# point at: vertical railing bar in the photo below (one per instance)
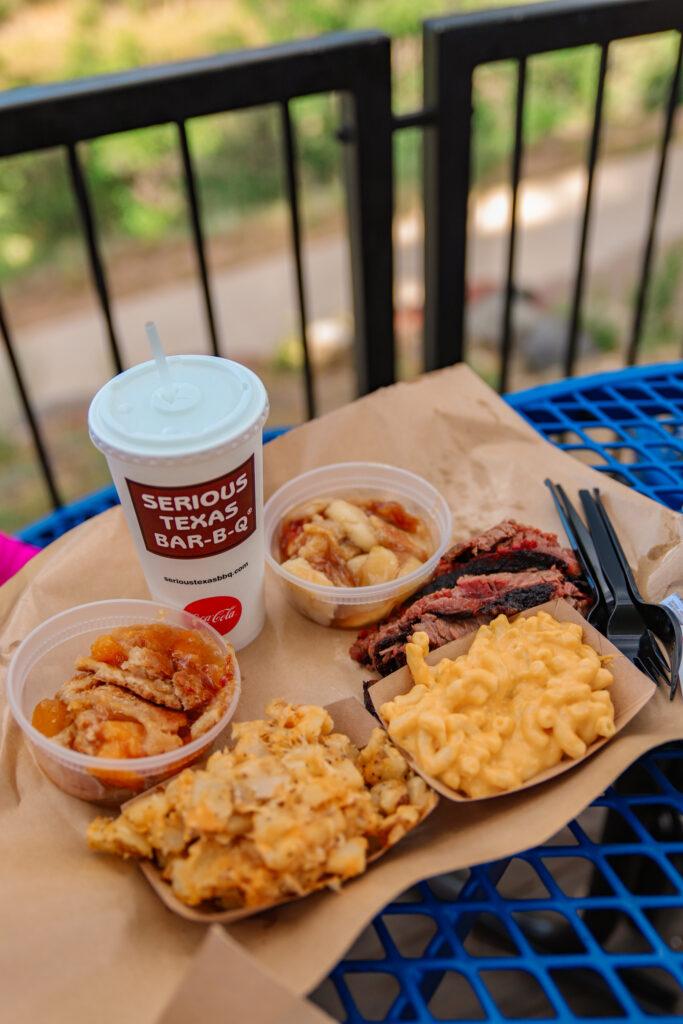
(446, 184)
(506, 348)
(30, 415)
(459, 352)
(367, 164)
(641, 298)
(293, 197)
(572, 340)
(81, 193)
(197, 233)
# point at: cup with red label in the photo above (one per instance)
(183, 438)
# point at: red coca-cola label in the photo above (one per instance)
(197, 520)
(223, 613)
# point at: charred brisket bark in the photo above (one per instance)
(509, 560)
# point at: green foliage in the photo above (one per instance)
(136, 186)
(88, 14)
(36, 210)
(7, 8)
(658, 88)
(141, 6)
(651, 73)
(560, 90)
(238, 162)
(602, 328)
(494, 93)
(662, 326)
(135, 183)
(313, 19)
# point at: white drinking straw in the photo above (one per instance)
(167, 389)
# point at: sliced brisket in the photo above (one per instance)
(510, 536)
(500, 583)
(492, 562)
(505, 570)
(441, 630)
(487, 541)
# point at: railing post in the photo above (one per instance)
(369, 182)
(446, 185)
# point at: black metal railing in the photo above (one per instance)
(354, 65)
(453, 48)
(357, 67)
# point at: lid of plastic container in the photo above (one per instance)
(202, 403)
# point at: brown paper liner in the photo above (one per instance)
(630, 691)
(224, 982)
(78, 924)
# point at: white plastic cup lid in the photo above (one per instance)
(211, 402)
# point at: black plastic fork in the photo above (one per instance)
(661, 621)
(641, 646)
(649, 660)
(632, 621)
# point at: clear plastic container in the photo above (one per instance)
(354, 607)
(45, 660)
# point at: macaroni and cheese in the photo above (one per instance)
(525, 695)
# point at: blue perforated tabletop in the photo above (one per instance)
(628, 424)
(588, 927)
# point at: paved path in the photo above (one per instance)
(66, 360)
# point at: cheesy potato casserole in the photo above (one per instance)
(525, 695)
(291, 808)
(352, 542)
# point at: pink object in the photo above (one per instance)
(13, 554)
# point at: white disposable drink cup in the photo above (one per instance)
(185, 454)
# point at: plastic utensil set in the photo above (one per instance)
(648, 634)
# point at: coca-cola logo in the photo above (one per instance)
(223, 613)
